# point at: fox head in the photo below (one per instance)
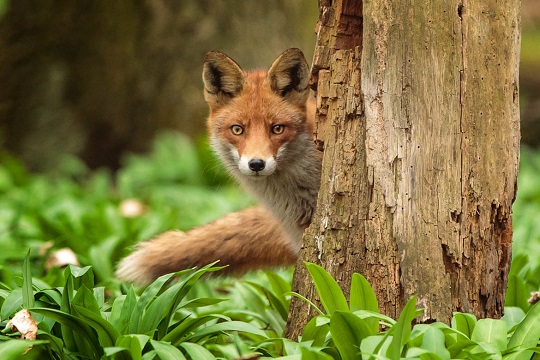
(256, 117)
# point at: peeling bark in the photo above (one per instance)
(419, 122)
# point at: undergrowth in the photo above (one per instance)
(83, 312)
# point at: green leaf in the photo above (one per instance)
(464, 323)
(107, 334)
(197, 352)
(166, 351)
(315, 333)
(80, 276)
(314, 354)
(348, 331)
(87, 334)
(362, 297)
(85, 298)
(329, 291)
(186, 326)
(146, 297)
(14, 349)
(513, 315)
(27, 291)
(433, 341)
(12, 303)
(122, 312)
(528, 332)
(366, 314)
(274, 301)
(376, 346)
(402, 329)
(227, 326)
(517, 292)
(134, 344)
(490, 331)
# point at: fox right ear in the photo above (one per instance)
(289, 76)
(223, 79)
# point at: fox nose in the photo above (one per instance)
(256, 164)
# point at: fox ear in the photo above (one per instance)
(223, 79)
(289, 76)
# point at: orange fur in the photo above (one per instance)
(260, 129)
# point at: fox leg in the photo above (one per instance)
(245, 240)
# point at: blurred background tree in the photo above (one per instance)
(530, 73)
(99, 78)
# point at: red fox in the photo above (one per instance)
(261, 129)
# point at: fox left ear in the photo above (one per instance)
(289, 76)
(223, 79)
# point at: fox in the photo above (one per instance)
(260, 125)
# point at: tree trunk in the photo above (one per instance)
(420, 127)
(98, 78)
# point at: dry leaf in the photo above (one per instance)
(131, 208)
(61, 258)
(535, 297)
(24, 323)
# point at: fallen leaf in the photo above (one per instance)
(24, 323)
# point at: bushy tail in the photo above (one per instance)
(244, 240)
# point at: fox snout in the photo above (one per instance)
(255, 166)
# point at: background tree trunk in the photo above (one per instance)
(417, 188)
(99, 78)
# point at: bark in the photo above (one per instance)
(417, 188)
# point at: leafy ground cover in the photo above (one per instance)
(83, 312)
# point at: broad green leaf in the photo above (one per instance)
(462, 345)
(314, 354)
(201, 302)
(27, 291)
(366, 314)
(227, 326)
(86, 333)
(402, 329)
(187, 326)
(376, 346)
(12, 303)
(158, 309)
(362, 297)
(329, 291)
(121, 318)
(107, 334)
(464, 323)
(433, 341)
(315, 333)
(134, 344)
(14, 349)
(166, 351)
(513, 315)
(528, 332)
(490, 331)
(423, 354)
(197, 352)
(517, 292)
(280, 286)
(274, 301)
(80, 276)
(173, 296)
(85, 298)
(146, 297)
(348, 331)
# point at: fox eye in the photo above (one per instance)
(237, 130)
(278, 129)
